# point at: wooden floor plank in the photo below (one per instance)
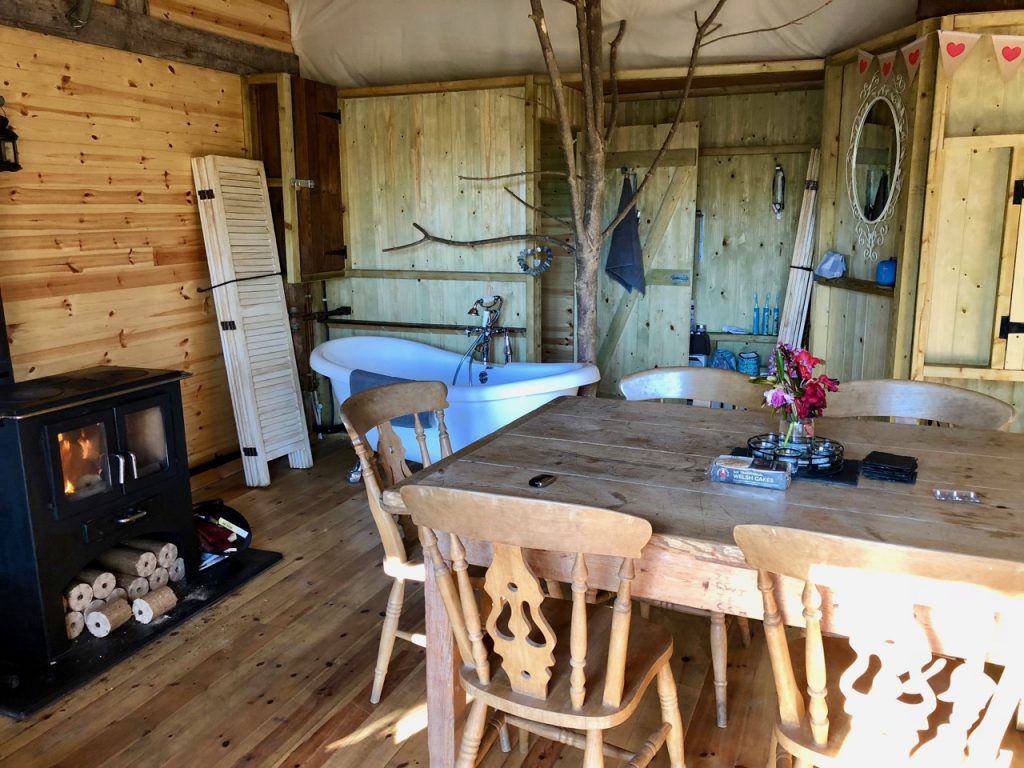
(279, 673)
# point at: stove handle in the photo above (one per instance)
(131, 517)
(133, 462)
(120, 467)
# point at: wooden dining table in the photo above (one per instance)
(651, 459)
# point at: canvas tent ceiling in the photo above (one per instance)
(355, 42)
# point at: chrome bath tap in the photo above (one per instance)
(488, 308)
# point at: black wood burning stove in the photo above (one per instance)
(90, 458)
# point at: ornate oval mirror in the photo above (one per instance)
(876, 149)
(874, 164)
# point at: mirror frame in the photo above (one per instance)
(871, 235)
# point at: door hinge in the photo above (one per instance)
(1006, 327)
(303, 183)
(1018, 191)
(206, 194)
(228, 325)
(248, 451)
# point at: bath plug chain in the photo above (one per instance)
(535, 261)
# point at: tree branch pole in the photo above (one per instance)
(702, 29)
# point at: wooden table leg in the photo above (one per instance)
(445, 698)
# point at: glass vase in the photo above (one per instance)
(796, 432)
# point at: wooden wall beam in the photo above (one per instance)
(128, 29)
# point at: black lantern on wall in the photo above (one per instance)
(8, 144)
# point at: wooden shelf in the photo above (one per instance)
(855, 284)
(750, 338)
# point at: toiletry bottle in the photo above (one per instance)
(766, 317)
(755, 326)
(693, 318)
(775, 317)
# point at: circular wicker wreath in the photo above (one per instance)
(535, 261)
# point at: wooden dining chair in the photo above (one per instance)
(375, 409)
(564, 670)
(701, 387)
(919, 401)
(884, 696)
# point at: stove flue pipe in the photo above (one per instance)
(79, 14)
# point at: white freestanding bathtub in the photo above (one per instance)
(475, 409)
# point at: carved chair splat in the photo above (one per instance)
(885, 696)
(564, 670)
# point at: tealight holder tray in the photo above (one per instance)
(805, 457)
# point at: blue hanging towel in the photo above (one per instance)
(625, 262)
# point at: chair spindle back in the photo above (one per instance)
(375, 409)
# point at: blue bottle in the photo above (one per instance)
(885, 272)
(775, 317)
(755, 326)
(766, 317)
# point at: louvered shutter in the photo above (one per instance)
(255, 333)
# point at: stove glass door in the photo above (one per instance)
(145, 441)
(84, 461)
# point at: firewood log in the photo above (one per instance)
(158, 579)
(177, 571)
(102, 582)
(165, 551)
(123, 560)
(79, 595)
(75, 623)
(104, 621)
(95, 605)
(156, 603)
(135, 586)
(118, 594)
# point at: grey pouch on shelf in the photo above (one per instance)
(833, 265)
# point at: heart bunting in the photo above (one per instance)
(863, 62)
(1009, 54)
(886, 64)
(912, 53)
(954, 47)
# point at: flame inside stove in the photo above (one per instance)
(80, 460)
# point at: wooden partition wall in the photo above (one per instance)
(402, 158)
(863, 331)
(404, 147)
(102, 253)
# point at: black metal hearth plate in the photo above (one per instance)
(90, 656)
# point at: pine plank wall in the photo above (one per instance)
(102, 250)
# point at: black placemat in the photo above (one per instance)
(25, 692)
(845, 476)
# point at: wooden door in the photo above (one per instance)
(977, 280)
(639, 332)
